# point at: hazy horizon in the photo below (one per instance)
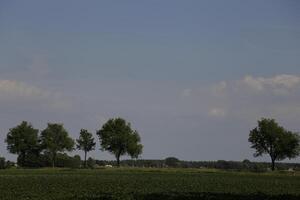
(192, 77)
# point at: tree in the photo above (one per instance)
(2, 163)
(65, 161)
(172, 162)
(56, 139)
(270, 138)
(117, 137)
(85, 143)
(23, 141)
(91, 163)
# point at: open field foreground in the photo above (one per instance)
(128, 184)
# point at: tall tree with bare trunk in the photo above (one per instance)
(270, 138)
(85, 143)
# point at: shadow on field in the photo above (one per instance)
(190, 196)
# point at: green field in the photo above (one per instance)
(46, 184)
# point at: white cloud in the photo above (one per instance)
(217, 112)
(20, 89)
(18, 93)
(288, 81)
(277, 83)
(252, 97)
(256, 84)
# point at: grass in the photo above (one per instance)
(126, 183)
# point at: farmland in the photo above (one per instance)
(128, 184)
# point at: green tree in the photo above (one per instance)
(91, 163)
(172, 162)
(2, 163)
(270, 138)
(56, 139)
(65, 161)
(117, 137)
(23, 141)
(85, 143)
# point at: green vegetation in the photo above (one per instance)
(55, 139)
(117, 137)
(2, 163)
(85, 143)
(23, 141)
(154, 184)
(163, 179)
(34, 150)
(270, 138)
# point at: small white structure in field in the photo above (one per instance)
(290, 170)
(108, 166)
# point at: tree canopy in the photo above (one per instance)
(56, 139)
(2, 163)
(23, 141)
(86, 143)
(270, 138)
(172, 161)
(117, 137)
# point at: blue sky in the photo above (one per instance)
(189, 75)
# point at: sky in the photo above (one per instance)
(192, 77)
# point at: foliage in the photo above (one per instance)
(6, 164)
(245, 165)
(85, 143)
(23, 141)
(56, 139)
(91, 163)
(146, 184)
(270, 138)
(2, 163)
(172, 162)
(117, 137)
(63, 160)
(30, 160)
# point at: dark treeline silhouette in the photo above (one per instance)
(244, 165)
(65, 161)
(45, 160)
(47, 148)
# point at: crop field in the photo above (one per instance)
(64, 184)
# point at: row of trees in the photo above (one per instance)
(115, 136)
(63, 160)
(44, 160)
(173, 162)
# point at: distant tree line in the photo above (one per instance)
(244, 165)
(47, 147)
(63, 160)
(44, 160)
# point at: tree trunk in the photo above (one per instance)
(273, 164)
(118, 160)
(53, 160)
(21, 159)
(84, 159)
